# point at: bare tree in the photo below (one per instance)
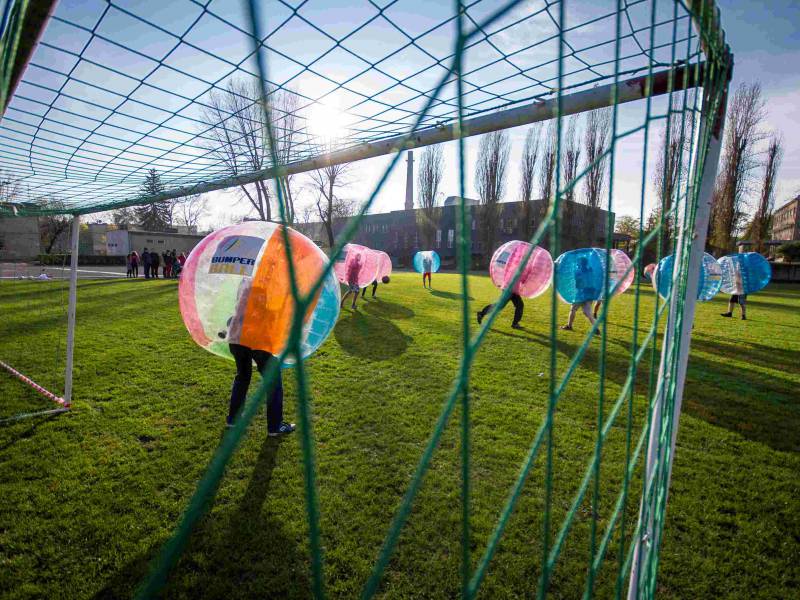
(570, 157)
(527, 166)
(490, 179)
(595, 143)
(10, 187)
(238, 137)
(189, 210)
(763, 216)
(429, 176)
(51, 229)
(284, 106)
(738, 162)
(330, 205)
(672, 167)
(548, 168)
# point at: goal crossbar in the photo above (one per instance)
(629, 90)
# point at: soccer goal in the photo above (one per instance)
(228, 93)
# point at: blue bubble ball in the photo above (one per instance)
(744, 273)
(580, 275)
(420, 259)
(707, 287)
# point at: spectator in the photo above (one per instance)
(147, 262)
(129, 265)
(155, 261)
(167, 265)
(135, 264)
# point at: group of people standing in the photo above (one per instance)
(171, 264)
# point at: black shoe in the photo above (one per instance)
(516, 326)
(744, 318)
(725, 314)
(480, 317)
(282, 430)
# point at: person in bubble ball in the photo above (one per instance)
(244, 357)
(585, 286)
(427, 267)
(384, 281)
(353, 271)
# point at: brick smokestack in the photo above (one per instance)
(410, 181)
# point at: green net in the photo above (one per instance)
(123, 88)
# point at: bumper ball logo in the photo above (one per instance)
(236, 255)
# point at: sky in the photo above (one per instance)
(765, 40)
(117, 88)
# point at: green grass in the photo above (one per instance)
(89, 497)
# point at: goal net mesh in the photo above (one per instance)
(116, 89)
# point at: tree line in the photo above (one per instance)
(743, 199)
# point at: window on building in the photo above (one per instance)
(438, 238)
(451, 234)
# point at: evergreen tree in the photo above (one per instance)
(154, 216)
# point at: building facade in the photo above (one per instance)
(120, 242)
(19, 238)
(786, 221)
(399, 234)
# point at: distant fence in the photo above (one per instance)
(786, 272)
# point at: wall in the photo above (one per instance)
(397, 233)
(161, 242)
(19, 238)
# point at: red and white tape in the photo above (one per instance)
(34, 385)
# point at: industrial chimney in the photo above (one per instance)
(410, 181)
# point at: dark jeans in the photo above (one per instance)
(519, 307)
(146, 271)
(244, 358)
(374, 287)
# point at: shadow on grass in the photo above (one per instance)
(387, 310)
(246, 555)
(449, 295)
(369, 336)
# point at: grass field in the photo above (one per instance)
(89, 497)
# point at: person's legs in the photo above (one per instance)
(587, 310)
(519, 307)
(135, 271)
(355, 299)
(274, 392)
(573, 310)
(484, 311)
(244, 372)
(734, 299)
(146, 271)
(374, 288)
(363, 292)
(597, 306)
(346, 294)
(743, 306)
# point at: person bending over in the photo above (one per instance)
(741, 300)
(519, 307)
(353, 271)
(384, 280)
(585, 288)
(244, 357)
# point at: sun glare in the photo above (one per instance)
(326, 122)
